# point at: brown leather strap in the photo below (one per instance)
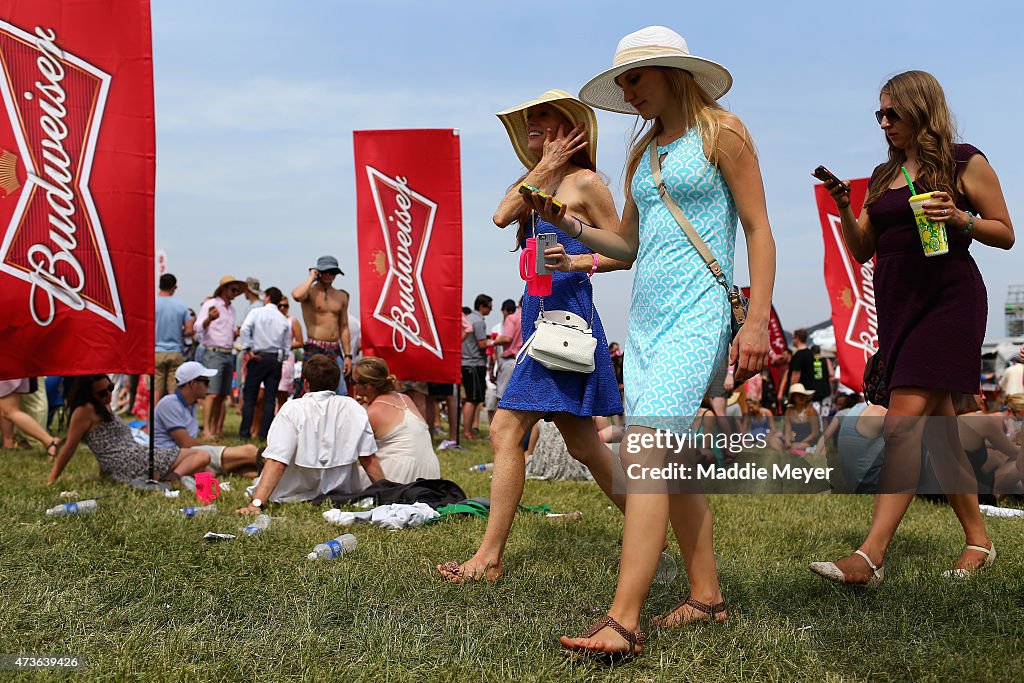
(710, 610)
(682, 220)
(634, 638)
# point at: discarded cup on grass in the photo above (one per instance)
(83, 507)
(330, 550)
(207, 487)
(668, 569)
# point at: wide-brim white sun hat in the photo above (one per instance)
(577, 112)
(653, 46)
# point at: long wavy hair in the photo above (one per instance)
(919, 100)
(81, 394)
(699, 110)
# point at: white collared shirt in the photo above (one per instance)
(320, 437)
(266, 329)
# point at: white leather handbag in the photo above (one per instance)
(561, 341)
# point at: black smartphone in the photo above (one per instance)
(823, 174)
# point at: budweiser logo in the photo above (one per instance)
(406, 220)
(53, 239)
(862, 329)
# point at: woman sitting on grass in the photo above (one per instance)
(110, 439)
(404, 448)
(802, 428)
(758, 421)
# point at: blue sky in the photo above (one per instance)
(256, 103)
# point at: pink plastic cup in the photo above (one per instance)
(536, 285)
(207, 487)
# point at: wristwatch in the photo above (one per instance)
(348, 355)
(257, 503)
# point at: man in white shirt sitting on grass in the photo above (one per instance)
(319, 444)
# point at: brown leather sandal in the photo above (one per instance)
(712, 612)
(636, 640)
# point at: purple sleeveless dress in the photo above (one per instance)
(931, 311)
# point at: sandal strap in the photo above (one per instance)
(864, 555)
(452, 567)
(980, 549)
(634, 638)
(710, 610)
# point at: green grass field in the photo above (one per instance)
(137, 593)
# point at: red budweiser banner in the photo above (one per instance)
(851, 289)
(409, 198)
(77, 175)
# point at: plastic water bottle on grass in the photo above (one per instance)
(258, 525)
(82, 507)
(345, 543)
(482, 467)
(197, 511)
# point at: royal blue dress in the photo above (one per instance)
(535, 388)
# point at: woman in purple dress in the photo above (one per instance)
(931, 310)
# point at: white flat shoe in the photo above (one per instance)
(829, 570)
(966, 573)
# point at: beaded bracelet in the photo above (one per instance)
(970, 224)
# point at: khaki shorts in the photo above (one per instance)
(216, 453)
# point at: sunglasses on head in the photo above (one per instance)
(888, 113)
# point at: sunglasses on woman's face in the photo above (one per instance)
(103, 393)
(887, 113)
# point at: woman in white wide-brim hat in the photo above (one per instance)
(679, 319)
(555, 137)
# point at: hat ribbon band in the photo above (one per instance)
(632, 54)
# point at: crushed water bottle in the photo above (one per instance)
(668, 569)
(258, 525)
(482, 467)
(196, 511)
(82, 507)
(345, 543)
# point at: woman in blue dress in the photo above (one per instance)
(555, 136)
(679, 314)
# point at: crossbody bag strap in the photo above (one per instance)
(683, 221)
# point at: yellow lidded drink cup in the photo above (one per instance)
(933, 236)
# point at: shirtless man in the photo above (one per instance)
(325, 312)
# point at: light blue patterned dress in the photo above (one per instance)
(679, 315)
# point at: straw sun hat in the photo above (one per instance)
(653, 46)
(578, 113)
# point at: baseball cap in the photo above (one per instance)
(325, 264)
(191, 370)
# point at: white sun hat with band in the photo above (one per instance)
(653, 46)
(577, 112)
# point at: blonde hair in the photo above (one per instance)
(1016, 402)
(920, 101)
(374, 371)
(699, 109)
